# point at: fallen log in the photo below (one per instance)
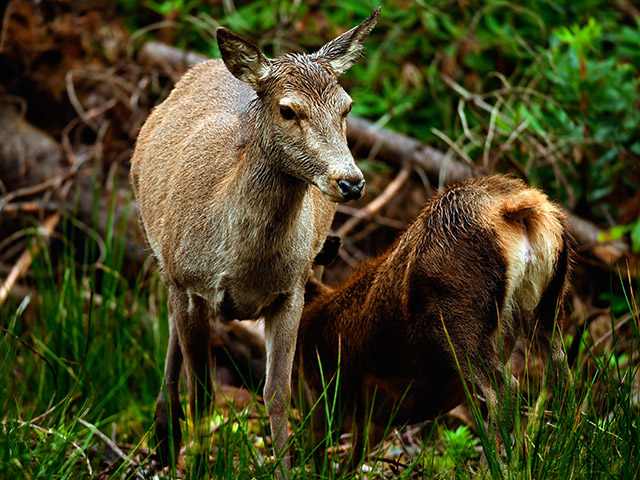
(396, 149)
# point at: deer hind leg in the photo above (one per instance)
(550, 347)
(168, 416)
(497, 386)
(191, 319)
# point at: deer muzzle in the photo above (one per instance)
(351, 190)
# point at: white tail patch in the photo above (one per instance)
(531, 237)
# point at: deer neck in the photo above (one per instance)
(267, 197)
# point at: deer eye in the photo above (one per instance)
(287, 113)
(347, 110)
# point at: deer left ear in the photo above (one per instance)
(342, 52)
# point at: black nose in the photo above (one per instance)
(349, 190)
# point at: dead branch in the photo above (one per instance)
(112, 445)
(379, 219)
(173, 60)
(24, 262)
(376, 204)
(395, 149)
(34, 189)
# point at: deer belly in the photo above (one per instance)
(245, 306)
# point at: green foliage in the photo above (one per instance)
(548, 89)
(620, 231)
(73, 363)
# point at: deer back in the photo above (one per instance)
(485, 260)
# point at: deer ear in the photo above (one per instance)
(342, 52)
(242, 58)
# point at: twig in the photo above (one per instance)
(26, 207)
(112, 445)
(57, 434)
(623, 321)
(452, 145)
(54, 182)
(380, 219)
(24, 262)
(347, 257)
(89, 114)
(380, 201)
(490, 134)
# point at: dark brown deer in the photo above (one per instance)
(236, 174)
(488, 260)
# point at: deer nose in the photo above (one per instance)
(351, 191)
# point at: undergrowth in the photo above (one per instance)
(82, 363)
(549, 90)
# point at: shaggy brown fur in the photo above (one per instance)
(488, 259)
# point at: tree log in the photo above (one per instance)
(395, 149)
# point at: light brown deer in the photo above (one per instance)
(488, 260)
(236, 174)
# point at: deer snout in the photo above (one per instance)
(350, 189)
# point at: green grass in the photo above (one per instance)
(85, 351)
(547, 89)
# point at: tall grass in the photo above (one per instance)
(79, 351)
(82, 359)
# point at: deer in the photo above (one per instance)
(484, 267)
(236, 175)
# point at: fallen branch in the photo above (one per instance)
(396, 149)
(377, 203)
(112, 445)
(171, 59)
(33, 189)
(24, 262)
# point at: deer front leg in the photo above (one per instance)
(172, 413)
(191, 319)
(281, 328)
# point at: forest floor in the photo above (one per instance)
(83, 311)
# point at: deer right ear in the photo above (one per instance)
(242, 58)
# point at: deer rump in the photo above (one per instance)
(488, 260)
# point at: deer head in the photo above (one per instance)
(301, 109)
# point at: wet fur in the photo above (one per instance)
(236, 201)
